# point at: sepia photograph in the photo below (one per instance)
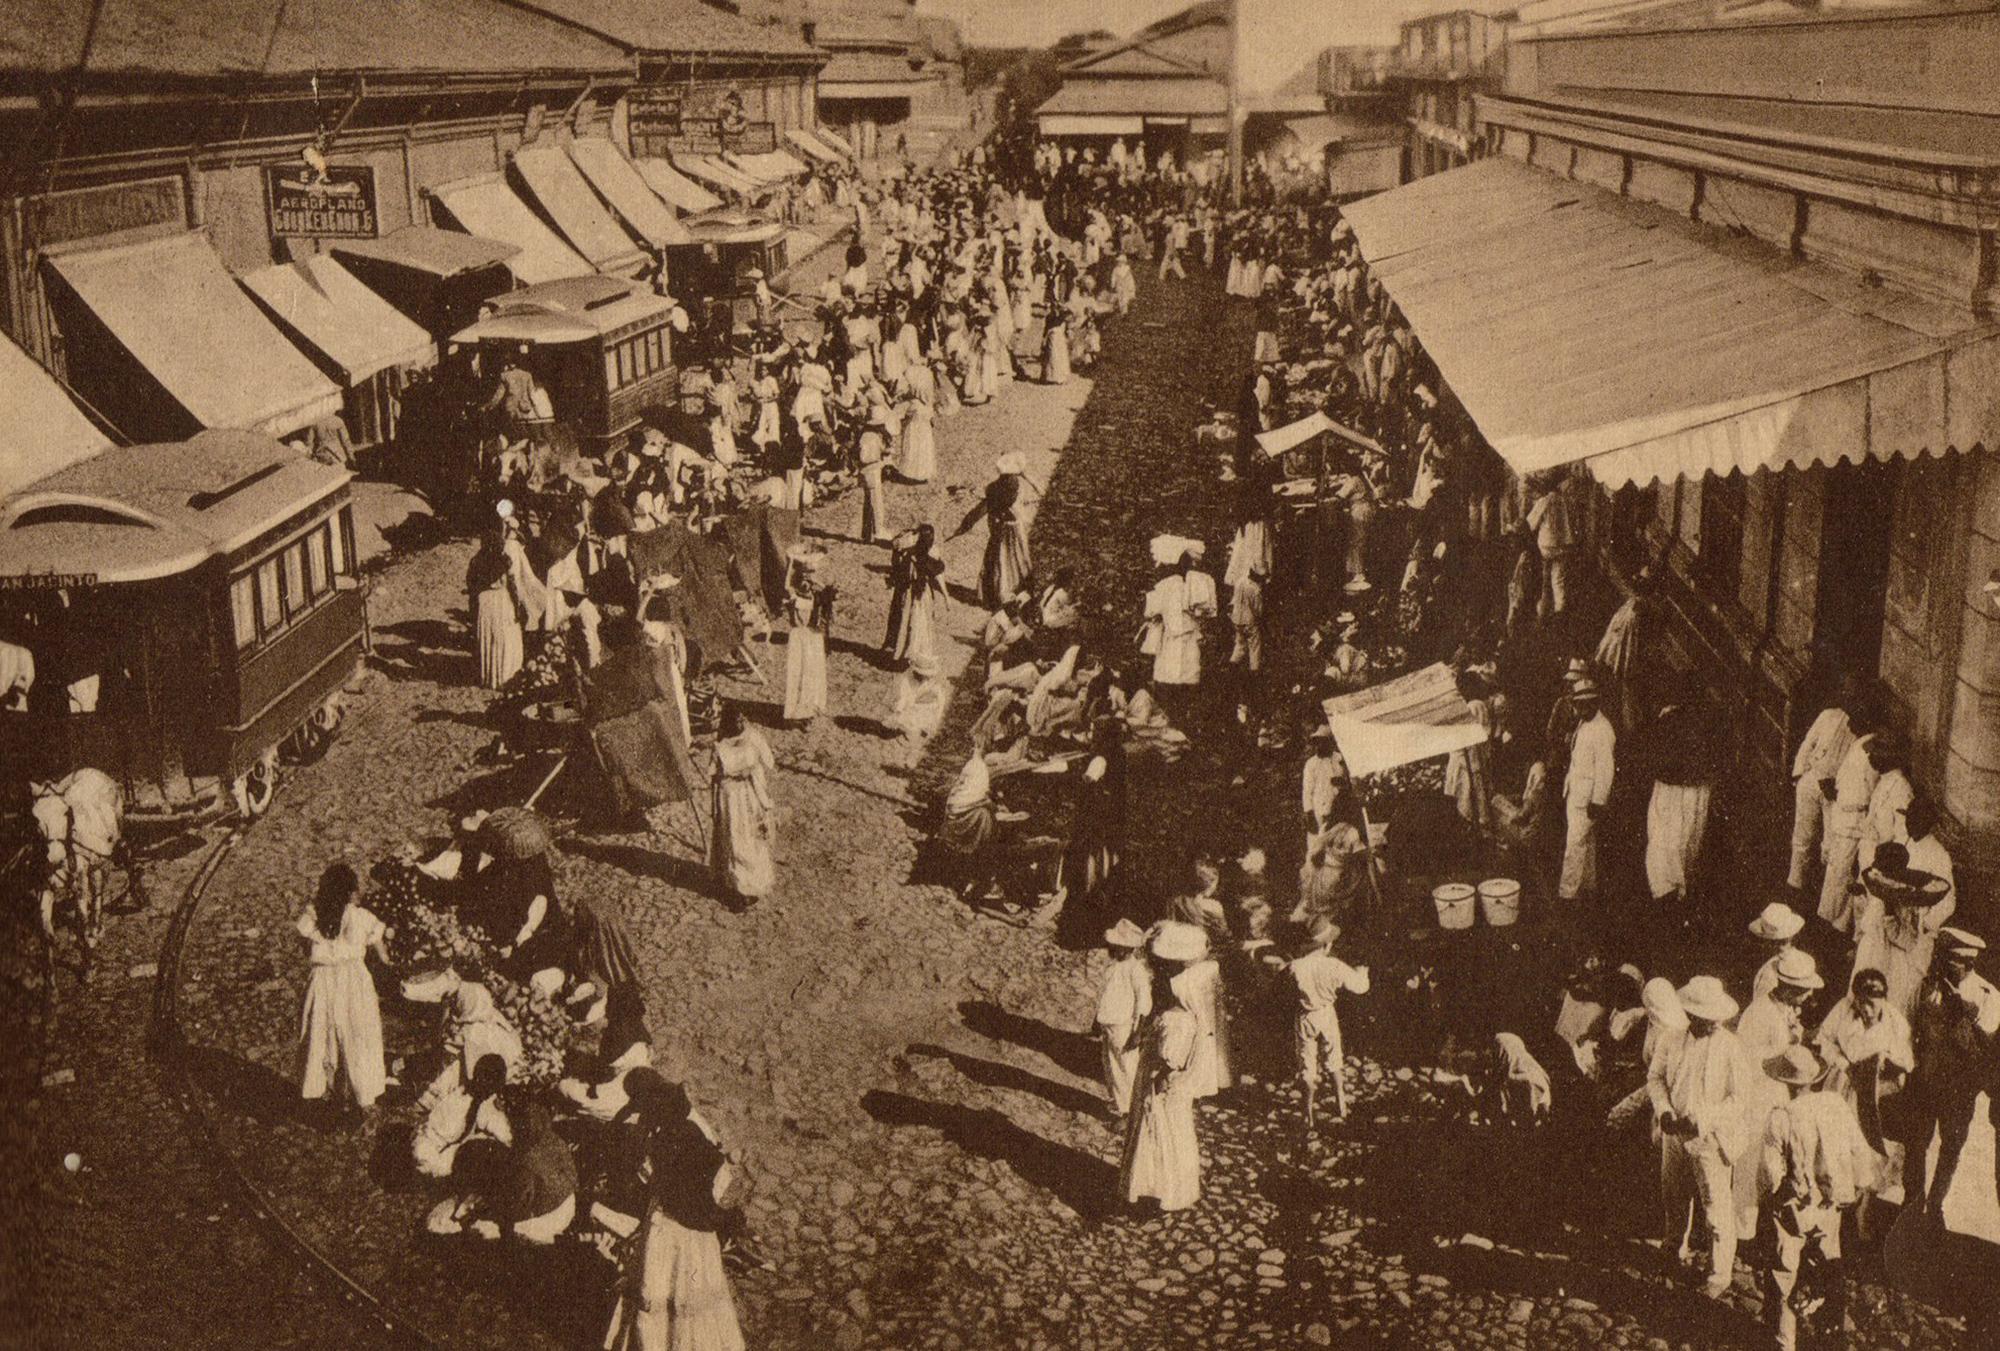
(999, 675)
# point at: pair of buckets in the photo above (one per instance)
(1497, 900)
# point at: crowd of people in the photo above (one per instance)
(1373, 533)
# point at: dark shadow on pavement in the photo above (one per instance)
(687, 874)
(997, 1074)
(1081, 1181)
(1077, 1052)
(238, 1084)
(868, 653)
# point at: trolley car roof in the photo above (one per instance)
(576, 309)
(137, 513)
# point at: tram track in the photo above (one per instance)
(169, 1046)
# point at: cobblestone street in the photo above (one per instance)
(907, 1082)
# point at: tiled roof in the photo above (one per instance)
(672, 26)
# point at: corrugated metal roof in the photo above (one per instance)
(1173, 97)
(1578, 325)
(302, 37)
(677, 27)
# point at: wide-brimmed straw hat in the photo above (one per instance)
(1125, 934)
(1795, 1065)
(1797, 969)
(1704, 997)
(1778, 923)
(1010, 463)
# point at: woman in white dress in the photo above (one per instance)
(765, 390)
(340, 1026)
(496, 612)
(740, 849)
(805, 643)
(675, 1295)
(916, 401)
(1162, 1156)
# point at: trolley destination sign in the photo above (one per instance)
(330, 202)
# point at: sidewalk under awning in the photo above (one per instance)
(172, 305)
(619, 183)
(1579, 326)
(676, 188)
(558, 185)
(486, 206)
(326, 309)
(44, 431)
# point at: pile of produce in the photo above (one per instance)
(427, 933)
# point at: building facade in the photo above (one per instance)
(147, 169)
(1851, 525)
(1442, 62)
(893, 81)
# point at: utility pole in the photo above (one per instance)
(1236, 102)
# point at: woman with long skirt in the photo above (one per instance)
(340, 1026)
(740, 848)
(1097, 829)
(1007, 561)
(675, 1294)
(805, 644)
(916, 581)
(496, 611)
(1162, 1157)
(916, 459)
(1055, 346)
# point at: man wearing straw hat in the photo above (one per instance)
(1777, 927)
(1956, 1025)
(1817, 1163)
(1586, 788)
(1697, 1082)
(1122, 1006)
(1320, 978)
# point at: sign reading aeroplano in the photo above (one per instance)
(321, 201)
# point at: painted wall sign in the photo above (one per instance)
(336, 201)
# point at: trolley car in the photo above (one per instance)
(716, 266)
(180, 612)
(601, 346)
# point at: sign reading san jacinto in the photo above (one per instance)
(321, 201)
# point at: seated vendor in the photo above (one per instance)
(464, 1105)
(526, 1191)
(971, 833)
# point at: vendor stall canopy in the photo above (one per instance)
(1579, 326)
(557, 184)
(1414, 717)
(619, 182)
(677, 189)
(136, 513)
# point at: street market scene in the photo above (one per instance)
(717, 674)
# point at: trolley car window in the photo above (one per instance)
(318, 576)
(610, 370)
(270, 608)
(654, 358)
(243, 610)
(343, 523)
(624, 363)
(295, 580)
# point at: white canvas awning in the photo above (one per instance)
(677, 189)
(325, 309)
(1091, 124)
(1580, 326)
(44, 430)
(554, 180)
(172, 305)
(618, 180)
(486, 206)
(1414, 717)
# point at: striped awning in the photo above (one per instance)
(1415, 717)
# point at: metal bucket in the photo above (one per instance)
(1457, 905)
(1500, 901)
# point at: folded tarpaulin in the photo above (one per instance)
(1414, 717)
